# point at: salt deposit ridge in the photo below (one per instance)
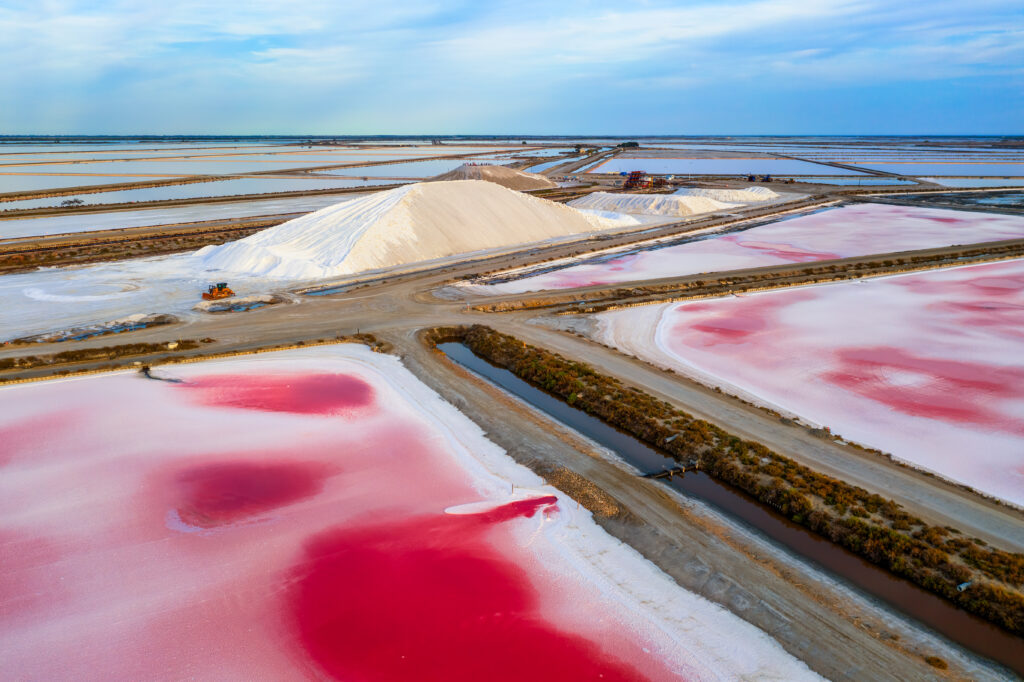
(506, 177)
(750, 194)
(650, 204)
(409, 224)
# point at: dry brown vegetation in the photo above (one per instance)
(97, 354)
(584, 491)
(375, 344)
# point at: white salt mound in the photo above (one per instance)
(408, 224)
(648, 204)
(739, 196)
(506, 177)
(610, 218)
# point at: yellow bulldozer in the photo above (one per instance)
(218, 291)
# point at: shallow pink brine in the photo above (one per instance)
(926, 366)
(845, 232)
(314, 514)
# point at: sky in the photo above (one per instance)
(583, 67)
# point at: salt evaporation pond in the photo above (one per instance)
(27, 183)
(551, 164)
(195, 190)
(412, 169)
(200, 166)
(856, 230)
(758, 166)
(108, 220)
(305, 158)
(108, 148)
(37, 156)
(978, 182)
(925, 366)
(949, 168)
(317, 513)
(858, 180)
(60, 298)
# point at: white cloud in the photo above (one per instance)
(452, 61)
(627, 35)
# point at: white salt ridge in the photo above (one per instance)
(740, 196)
(610, 218)
(649, 204)
(506, 177)
(406, 225)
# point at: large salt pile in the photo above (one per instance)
(648, 204)
(409, 224)
(506, 177)
(739, 196)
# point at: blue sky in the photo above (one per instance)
(574, 67)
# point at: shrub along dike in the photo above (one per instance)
(938, 559)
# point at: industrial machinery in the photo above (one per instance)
(634, 181)
(218, 291)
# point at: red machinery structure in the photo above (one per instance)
(640, 180)
(635, 180)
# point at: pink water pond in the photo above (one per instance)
(284, 517)
(838, 233)
(926, 367)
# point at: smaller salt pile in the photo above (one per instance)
(500, 175)
(649, 204)
(739, 196)
(402, 226)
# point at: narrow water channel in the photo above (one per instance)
(966, 629)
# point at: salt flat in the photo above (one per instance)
(924, 366)
(109, 220)
(844, 232)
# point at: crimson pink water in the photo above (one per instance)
(219, 493)
(951, 390)
(785, 252)
(298, 393)
(430, 598)
(733, 325)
